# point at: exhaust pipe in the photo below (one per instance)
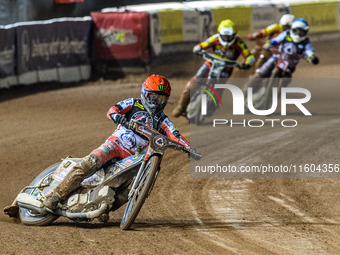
(30, 202)
(84, 215)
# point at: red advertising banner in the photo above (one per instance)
(121, 35)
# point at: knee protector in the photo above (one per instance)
(90, 164)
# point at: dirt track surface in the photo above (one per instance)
(183, 215)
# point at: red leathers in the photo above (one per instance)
(123, 141)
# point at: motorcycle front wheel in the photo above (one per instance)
(199, 118)
(275, 80)
(194, 110)
(143, 189)
(29, 217)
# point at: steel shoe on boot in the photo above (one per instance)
(51, 200)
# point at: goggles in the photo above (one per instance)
(227, 38)
(299, 31)
(155, 98)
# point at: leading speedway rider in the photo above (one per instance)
(123, 142)
(225, 45)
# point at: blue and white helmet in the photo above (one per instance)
(299, 30)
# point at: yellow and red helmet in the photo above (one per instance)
(156, 91)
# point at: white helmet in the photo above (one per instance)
(287, 20)
(299, 30)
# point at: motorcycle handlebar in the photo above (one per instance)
(208, 56)
(130, 124)
(292, 57)
(192, 153)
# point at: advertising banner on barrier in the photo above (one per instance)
(190, 26)
(121, 35)
(339, 14)
(7, 51)
(206, 24)
(171, 24)
(262, 16)
(321, 16)
(53, 43)
(240, 15)
(190, 21)
(155, 33)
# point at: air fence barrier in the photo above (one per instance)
(61, 49)
(45, 51)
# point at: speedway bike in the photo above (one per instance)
(117, 182)
(194, 111)
(280, 77)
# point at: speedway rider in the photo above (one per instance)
(225, 45)
(123, 142)
(264, 35)
(293, 45)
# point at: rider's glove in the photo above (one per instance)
(244, 66)
(194, 154)
(315, 60)
(252, 36)
(120, 119)
(197, 49)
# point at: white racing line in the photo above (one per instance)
(293, 209)
(233, 206)
(212, 237)
(230, 204)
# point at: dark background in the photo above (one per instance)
(12, 11)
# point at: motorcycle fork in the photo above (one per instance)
(275, 80)
(139, 174)
(280, 75)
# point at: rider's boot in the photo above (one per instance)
(183, 102)
(89, 165)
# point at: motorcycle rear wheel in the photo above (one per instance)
(143, 190)
(29, 217)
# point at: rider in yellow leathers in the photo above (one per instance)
(225, 45)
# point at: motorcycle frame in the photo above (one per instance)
(153, 148)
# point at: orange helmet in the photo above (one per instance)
(156, 91)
